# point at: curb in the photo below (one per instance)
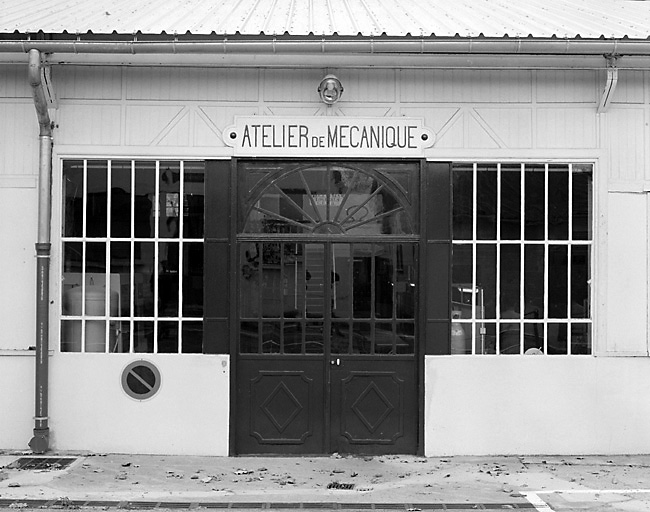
(64, 503)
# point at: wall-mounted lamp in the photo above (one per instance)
(330, 89)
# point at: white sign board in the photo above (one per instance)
(384, 137)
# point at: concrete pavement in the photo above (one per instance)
(67, 480)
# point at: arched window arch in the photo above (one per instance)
(330, 199)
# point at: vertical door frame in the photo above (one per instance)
(234, 297)
(435, 253)
(327, 346)
(421, 308)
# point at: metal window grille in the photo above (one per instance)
(132, 245)
(522, 234)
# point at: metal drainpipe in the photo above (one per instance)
(41, 440)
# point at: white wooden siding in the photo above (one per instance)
(562, 86)
(18, 143)
(465, 86)
(512, 127)
(88, 123)
(369, 86)
(566, 127)
(630, 87)
(13, 83)
(17, 268)
(627, 143)
(205, 84)
(295, 85)
(88, 83)
(627, 274)
(498, 109)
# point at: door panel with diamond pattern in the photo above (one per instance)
(281, 414)
(373, 409)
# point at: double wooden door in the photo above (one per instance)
(327, 287)
(327, 348)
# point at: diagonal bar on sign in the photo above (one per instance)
(144, 382)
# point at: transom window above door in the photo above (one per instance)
(329, 199)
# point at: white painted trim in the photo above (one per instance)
(132, 152)
(505, 155)
(18, 181)
(631, 187)
(431, 155)
(56, 256)
(647, 254)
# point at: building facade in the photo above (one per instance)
(449, 258)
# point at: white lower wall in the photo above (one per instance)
(536, 405)
(504, 405)
(189, 415)
(18, 226)
(16, 399)
(627, 276)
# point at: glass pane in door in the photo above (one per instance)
(296, 298)
(383, 298)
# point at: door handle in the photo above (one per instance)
(336, 362)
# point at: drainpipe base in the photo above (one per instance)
(40, 443)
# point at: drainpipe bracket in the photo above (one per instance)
(48, 87)
(610, 83)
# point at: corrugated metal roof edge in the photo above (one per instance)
(286, 36)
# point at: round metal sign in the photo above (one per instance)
(141, 380)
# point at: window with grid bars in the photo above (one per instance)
(521, 258)
(132, 256)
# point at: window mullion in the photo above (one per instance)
(474, 201)
(570, 192)
(373, 297)
(84, 255)
(393, 255)
(259, 247)
(181, 206)
(107, 258)
(522, 262)
(474, 245)
(498, 212)
(499, 244)
(498, 269)
(569, 258)
(546, 256)
(474, 322)
(156, 244)
(132, 263)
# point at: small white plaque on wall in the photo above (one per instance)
(389, 137)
